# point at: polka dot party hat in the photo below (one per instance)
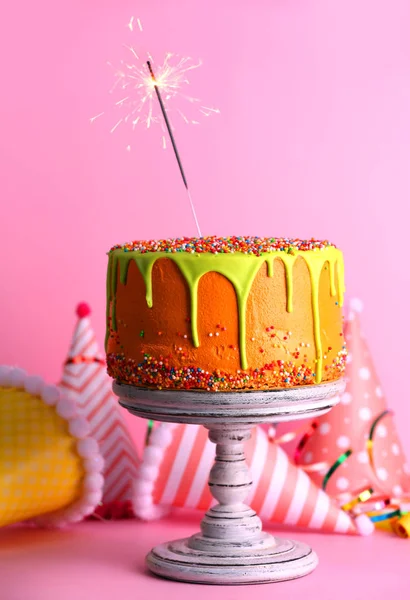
(86, 380)
(50, 467)
(175, 470)
(357, 439)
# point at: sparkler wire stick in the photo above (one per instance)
(174, 146)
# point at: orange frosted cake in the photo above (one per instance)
(222, 314)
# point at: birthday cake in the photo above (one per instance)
(222, 314)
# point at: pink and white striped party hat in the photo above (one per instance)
(85, 377)
(175, 469)
(358, 438)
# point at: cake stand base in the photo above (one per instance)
(232, 548)
(273, 559)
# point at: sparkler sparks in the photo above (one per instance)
(135, 89)
(131, 24)
(147, 95)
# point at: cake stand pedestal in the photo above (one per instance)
(231, 547)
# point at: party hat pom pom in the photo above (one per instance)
(17, 376)
(364, 525)
(356, 304)
(83, 310)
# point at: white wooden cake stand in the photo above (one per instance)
(231, 548)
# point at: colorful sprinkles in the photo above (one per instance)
(224, 245)
(160, 373)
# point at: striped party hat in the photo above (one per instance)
(175, 469)
(358, 438)
(86, 378)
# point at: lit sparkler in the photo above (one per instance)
(174, 145)
(136, 89)
(140, 89)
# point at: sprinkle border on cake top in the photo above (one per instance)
(224, 245)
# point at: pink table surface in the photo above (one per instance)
(105, 561)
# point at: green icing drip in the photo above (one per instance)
(123, 270)
(288, 262)
(145, 267)
(332, 276)
(340, 266)
(269, 262)
(107, 314)
(113, 292)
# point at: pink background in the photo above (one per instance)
(312, 140)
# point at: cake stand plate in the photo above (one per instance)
(279, 560)
(231, 548)
(206, 408)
